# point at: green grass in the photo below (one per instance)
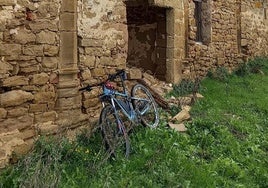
(226, 145)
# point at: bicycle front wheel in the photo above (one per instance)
(114, 133)
(145, 105)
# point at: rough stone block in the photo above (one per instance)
(91, 42)
(88, 61)
(97, 72)
(15, 81)
(91, 102)
(46, 37)
(38, 108)
(51, 50)
(3, 113)
(86, 74)
(19, 123)
(10, 49)
(14, 98)
(50, 62)
(69, 103)
(5, 67)
(16, 112)
(39, 79)
(7, 2)
(30, 69)
(21, 149)
(47, 128)
(44, 97)
(8, 136)
(40, 25)
(95, 51)
(135, 73)
(107, 61)
(33, 50)
(48, 9)
(45, 117)
(24, 37)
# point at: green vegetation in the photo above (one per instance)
(226, 145)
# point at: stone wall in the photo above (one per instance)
(50, 48)
(238, 32)
(103, 39)
(254, 28)
(29, 48)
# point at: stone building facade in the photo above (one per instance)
(50, 48)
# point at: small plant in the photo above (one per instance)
(221, 74)
(257, 65)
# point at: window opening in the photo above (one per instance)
(198, 19)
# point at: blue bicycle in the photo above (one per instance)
(122, 110)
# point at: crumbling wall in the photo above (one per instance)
(238, 32)
(29, 48)
(254, 28)
(103, 38)
(218, 49)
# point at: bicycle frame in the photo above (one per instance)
(126, 107)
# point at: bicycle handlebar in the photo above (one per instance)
(111, 77)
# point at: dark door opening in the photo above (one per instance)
(147, 41)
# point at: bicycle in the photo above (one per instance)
(137, 107)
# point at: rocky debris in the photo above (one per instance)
(178, 127)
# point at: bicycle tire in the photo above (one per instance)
(149, 115)
(116, 140)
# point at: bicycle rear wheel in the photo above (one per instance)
(114, 133)
(145, 105)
